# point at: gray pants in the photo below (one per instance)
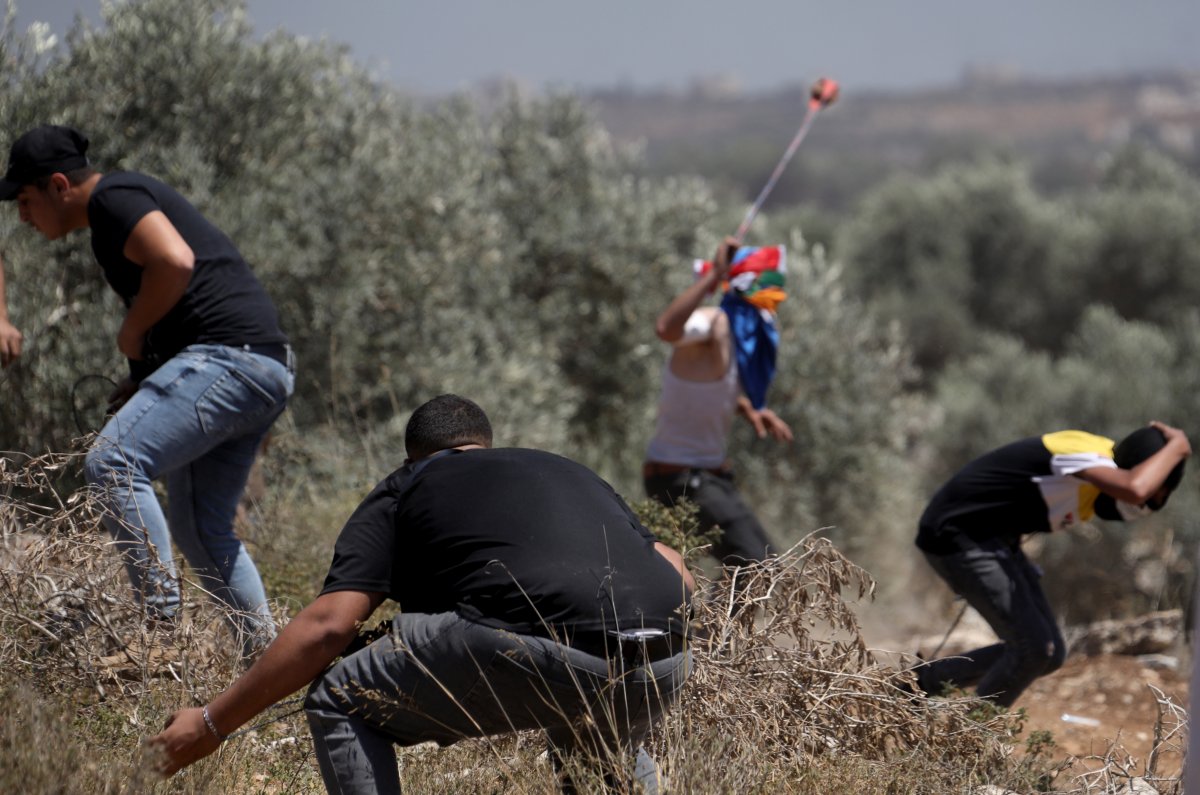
(996, 579)
(442, 678)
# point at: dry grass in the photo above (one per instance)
(785, 698)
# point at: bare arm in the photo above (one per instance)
(303, 649)
(669, 325)
(167, 261)
(10, 336)
(676, 560)
(1139, 484)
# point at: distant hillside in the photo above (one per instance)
(1061, 127)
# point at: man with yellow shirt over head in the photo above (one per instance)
(971, 534)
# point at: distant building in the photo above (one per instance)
(989, 75)
(715, 87)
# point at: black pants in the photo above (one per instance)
(743, 539)
(996, 579)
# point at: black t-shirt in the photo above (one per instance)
(224, 303)
(517, 539)
(1027, 486)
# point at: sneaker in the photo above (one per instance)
(645, 772)
(149, 651)
(918, 671)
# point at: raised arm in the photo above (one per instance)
(670, 323)
(317, 635)
(10, 336)
(1144, 481)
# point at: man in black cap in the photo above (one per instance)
(530, 596)
(971, 534)
(210, 370)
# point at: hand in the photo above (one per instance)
(1173, 435)
(130, 342)
(10, 343)
(770, 422)
(764, 421)
(120, 396)
(723, 259)
(185, 739)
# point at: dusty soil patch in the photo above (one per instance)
(1111, 689)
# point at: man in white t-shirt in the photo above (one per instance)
(721, 364)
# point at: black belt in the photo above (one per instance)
(279, 351)
(657, 469)
(633, 651)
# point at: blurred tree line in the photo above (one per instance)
(517, 257)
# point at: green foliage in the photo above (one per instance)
(844, 386)
(678, 526)
(1114, 375)
(1139, 251)
(1031, 314)
(1039, 743)
(411, 251)
(973, 249)
(510, 256)
(949, 254)
(1137, 169)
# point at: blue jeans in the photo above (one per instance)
(443, 678)
(996, 579)
(197, 421)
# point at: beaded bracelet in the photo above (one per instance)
(212, 727)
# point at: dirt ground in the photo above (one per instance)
(1106, 698)
(1112, 690)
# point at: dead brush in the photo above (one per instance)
(76, 648)
(1116, 770)
(783, 674)
(785, 696)
(67, 614)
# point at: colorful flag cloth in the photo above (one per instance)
(755, 288)
(755, 341)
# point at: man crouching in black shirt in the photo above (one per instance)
(531, 597)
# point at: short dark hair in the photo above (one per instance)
(75, 176)
(444, 422)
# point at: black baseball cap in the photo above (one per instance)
(48, 149)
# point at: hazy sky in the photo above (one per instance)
(434, 46)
